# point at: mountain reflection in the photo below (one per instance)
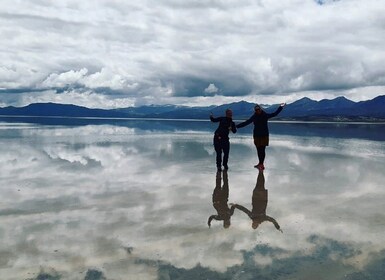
(220, 199)
(259, 204)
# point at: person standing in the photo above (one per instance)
(221, 138)
(261, 131)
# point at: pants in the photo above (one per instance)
(222, 146)
(261, 154)
(260, 143)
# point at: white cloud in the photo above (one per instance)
(211, 89)
(64, 79)
(105, 78)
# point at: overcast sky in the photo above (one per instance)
(116, 53)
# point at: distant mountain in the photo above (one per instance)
(56, 110)
(374, 107)
(336, 109)
(306, 107)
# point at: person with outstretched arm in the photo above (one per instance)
(221, 138)
(261, 131)
(259, 204)
(220, 199)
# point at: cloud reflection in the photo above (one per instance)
(131, 202)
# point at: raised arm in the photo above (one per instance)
(215, 217)
(242, 124)
(214, 119)
(279, 109)
(270, 219)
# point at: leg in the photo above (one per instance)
(225, 187)
(218, 150)
(261, 154)
(226, 151)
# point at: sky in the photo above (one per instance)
(116, 53)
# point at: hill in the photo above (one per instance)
(336, 109)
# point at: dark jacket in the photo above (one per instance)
(260, 122)
(225, 125)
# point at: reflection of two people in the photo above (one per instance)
(220, 199)
(259, 203)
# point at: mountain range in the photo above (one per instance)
(338, 109)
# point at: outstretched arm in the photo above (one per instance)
(216, 217)
(214, 119)
(279, 109)
(242, 124)
(270, 219)
(243, 209)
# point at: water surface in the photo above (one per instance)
(131, 200)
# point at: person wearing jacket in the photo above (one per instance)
(221, 138)
(261, 131)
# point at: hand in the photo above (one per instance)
(282, 104)
(281, 230)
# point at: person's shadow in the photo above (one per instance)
(259, 204)
(220, 199)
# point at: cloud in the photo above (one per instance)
(211, 89)
(244, 49)
(64, 79)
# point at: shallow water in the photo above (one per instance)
(131, 200)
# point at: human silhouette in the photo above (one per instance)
(220, 199)
(259, 204)
(261, 131)
(221, 138)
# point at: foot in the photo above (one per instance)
(260, 166)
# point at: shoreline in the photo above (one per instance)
(320, 121)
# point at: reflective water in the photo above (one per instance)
(132, 200)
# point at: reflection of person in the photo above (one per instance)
(220, 198)
(259, 203)
(261, 131)
(221, 138)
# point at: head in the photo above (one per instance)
(226, 223)
(229, 113)
(257, 109)
(255, 224)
